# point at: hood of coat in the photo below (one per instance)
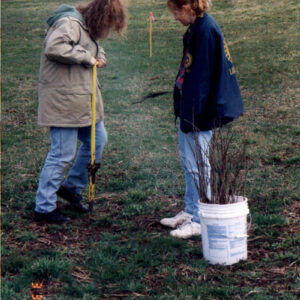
(65, 10)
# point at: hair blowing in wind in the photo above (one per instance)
(102, 14)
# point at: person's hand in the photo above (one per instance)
(101, 63)
(93, 61)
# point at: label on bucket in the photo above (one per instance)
(223, 240)
(236, 229)
(216, 231)
(237, 245)
(217, 241)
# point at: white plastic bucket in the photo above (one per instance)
(224, 231)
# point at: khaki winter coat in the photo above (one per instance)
(65, 82)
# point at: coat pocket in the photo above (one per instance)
(76, 106)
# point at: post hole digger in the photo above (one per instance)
(92, 166)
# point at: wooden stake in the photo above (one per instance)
(151, 19)
(150, 33)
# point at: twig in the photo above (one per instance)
(229, 165)
(151, 95)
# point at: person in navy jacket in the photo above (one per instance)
(206, 95)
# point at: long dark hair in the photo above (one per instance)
(102, 14)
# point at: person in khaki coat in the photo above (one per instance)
(69, 52)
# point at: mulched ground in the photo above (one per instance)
(271, 276)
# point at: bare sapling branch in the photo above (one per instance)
(221, 168)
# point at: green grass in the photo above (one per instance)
(124, 252)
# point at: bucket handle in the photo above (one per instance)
(249, 221)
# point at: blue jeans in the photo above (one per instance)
(188, 161)
(61, 155)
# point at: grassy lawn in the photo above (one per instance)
(123, 252)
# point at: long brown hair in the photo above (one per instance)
(198, 6)
(102, 14)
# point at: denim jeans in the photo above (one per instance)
(188, 161)
(61, 155)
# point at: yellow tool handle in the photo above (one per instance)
(93, 133)
(93, 125)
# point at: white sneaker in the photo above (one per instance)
(186, 230)
(180, 218)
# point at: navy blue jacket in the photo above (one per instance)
(210, 93)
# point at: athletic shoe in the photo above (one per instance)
(186, 230)
(51, 217)
(180, 218)
(73, 198)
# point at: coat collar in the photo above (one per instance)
(191, 29)
(66, 10)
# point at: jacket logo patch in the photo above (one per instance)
(228, 56)
(188, 60)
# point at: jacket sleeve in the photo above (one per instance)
(62, 44)
(204, 68)
(101, 53)
(205, 60)
(197, 86)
